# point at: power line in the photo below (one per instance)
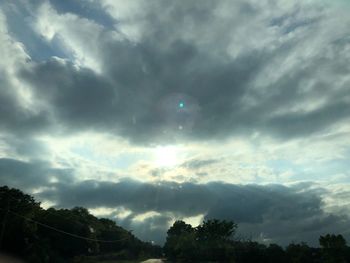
(62, 231)
(67, 233)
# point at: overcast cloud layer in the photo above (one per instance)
(150, 111)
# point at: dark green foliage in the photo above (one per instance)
(216, 231)
(298, 253)
(214, 241)
(79, 234)
(108, 230)
(17, 235)
(181, 241)
(77, 221)
(275, 254)
(209, 241)
(334, 249)
(249, 252)
(30, 232)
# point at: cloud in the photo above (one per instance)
(198, 163)
(282, 213)
(151, 227)
(128, 193)
(80, 97)
(229, 88)
(16, 114)
(246, 82)
(27, 148)
(90, 10)
(31, 175)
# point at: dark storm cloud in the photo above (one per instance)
(304, 124)
(14, 118)
(282, 213)
(199, 163)
(30, 175)
(24, 146)
(87, 9)
(150, 229)
(142, 83)
(163, 198)
(290, 91)
(141, 101)
(80, 98)
(211, 89)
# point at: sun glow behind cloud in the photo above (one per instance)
(166, 156)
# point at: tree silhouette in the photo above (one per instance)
(333, 248)
(299, 253)
(17, 235)
(74, 235)
(60, 235)
(214, 239)
(275, 254)
(181, 241)
(209, 241)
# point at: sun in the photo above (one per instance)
(166, 156)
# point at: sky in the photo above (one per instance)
(151, 111)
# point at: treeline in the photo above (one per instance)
(74, 235)
(31, 233)
(215, 241)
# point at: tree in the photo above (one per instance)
(333, 248)
(250, 252)
(16, 211)
(275, 254)
(108, 230)
(59, 235)
(332, 241)
(214, 239)
(299, 253)
(62, 245)
(216, 230)
(179, 228)
(180, 242)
